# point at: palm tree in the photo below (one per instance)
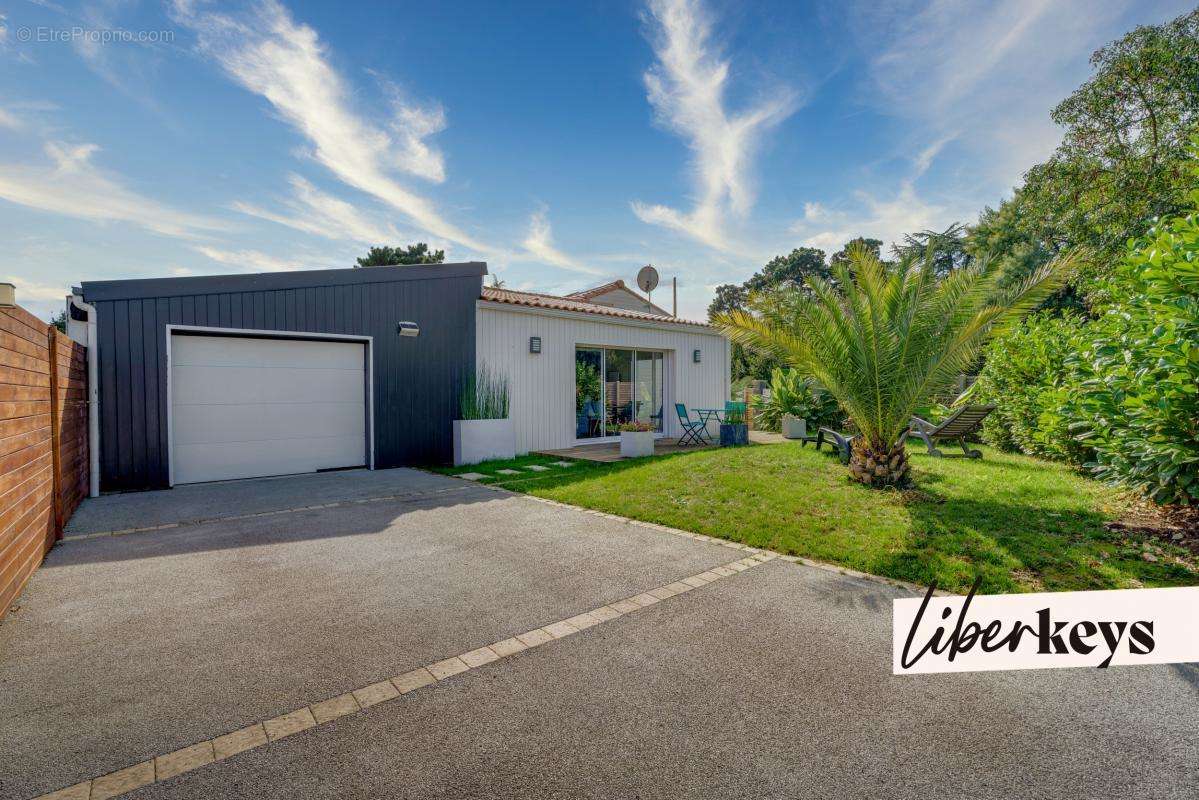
(883, 339)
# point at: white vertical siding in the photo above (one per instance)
(543, 386)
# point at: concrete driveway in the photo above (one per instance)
(750, 678)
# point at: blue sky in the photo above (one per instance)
(566, 144)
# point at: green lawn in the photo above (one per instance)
(1023, 524)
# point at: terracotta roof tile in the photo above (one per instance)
(587, 294)
(537, 300)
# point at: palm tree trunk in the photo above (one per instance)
(879, 465)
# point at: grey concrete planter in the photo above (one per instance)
(636, 444)
(478, 440)
(794, 427)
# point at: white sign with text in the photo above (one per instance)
(1043, 631)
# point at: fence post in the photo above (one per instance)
(55, 435)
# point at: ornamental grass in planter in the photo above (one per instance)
(483, 430)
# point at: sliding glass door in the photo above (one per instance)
(647, 389)
(589, 393)
(614, 386)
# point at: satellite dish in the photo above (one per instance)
(647, 278)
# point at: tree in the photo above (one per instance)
(841, 257)
(886, 338)
(947, 248)
(1121, 162)
(385, 256)
(729, 296)
(792, 269)
(59, 321)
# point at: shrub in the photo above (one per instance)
(1030, 380)
(635, 426)
(792, 393)
(484, 396)
(1138, 397)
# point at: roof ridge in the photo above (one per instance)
(587, 294)
(542, 300)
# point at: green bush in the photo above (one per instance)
(1029, 378)
(1138, 397)
(792, 393)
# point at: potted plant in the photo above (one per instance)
(794, 404)
(636, 439)
(483, 430)
(733, 428)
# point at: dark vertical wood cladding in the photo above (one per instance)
(416, 380)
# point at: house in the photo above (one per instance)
(617, 295)
(236, 376)
(594, 366)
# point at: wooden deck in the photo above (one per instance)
(610, 451)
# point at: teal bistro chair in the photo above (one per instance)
(693, 430)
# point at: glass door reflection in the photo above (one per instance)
(618, 389)
(589, 399)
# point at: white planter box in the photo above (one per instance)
(635, 444)
(794, 427)
(478, 440)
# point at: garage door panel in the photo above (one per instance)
(258, 422)
(328, 386)
(196, 463)
(217, 351)
(244, 407)
(213, 385)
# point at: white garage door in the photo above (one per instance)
(245, 408)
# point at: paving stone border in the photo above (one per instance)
(262, 734)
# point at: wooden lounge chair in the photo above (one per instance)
(958, 425)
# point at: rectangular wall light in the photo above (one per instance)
(534, 344)
(695, 356)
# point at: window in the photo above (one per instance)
(616, 385)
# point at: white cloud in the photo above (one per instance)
(539, 243)
(32, 291)
(987, 74)
(72, 185)
(9, 120)
(814, 212)
(254, 260)
(285, 62)
(687, 87)
(316, 212)
(877, 216)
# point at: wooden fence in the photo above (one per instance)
(43, 443)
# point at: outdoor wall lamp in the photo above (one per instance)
(534, 344)
(408, 329)
(696, 356)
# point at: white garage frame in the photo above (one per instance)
(251, 333)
